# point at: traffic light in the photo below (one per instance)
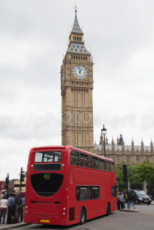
(22, 175)
(125, 173)
(7, 182)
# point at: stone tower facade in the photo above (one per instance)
(77, 92)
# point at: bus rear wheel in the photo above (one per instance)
(82, 216)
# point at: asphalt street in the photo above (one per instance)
(119, 220)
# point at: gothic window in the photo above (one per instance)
(128, 159)
(147, 158)
(137, 158)
(118, 159)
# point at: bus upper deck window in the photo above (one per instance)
(51, 156)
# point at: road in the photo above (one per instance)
(120, 220)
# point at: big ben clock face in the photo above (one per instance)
(79, 72)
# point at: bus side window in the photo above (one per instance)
(102, 165)
(78, 193)
(83, 160)
(114, 191)
(90, 192)
(89, 162)
(84, 193)
(112, 167)
(74, 158)
(107, 166)
(96, 192)
(95, 163)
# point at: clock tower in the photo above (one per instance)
(77, 92)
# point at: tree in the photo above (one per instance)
(146, 172)
(133, 175)
(119, 174)
(137, 174)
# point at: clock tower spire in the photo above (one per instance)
(77, 91)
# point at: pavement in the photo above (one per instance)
(11, 226)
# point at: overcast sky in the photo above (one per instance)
(34, 36)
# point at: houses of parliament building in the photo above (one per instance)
(129, 154)
(77, 106)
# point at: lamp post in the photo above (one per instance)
(104, 132)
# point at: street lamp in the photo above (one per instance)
(104, 132)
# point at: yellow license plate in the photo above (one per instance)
(44, 221)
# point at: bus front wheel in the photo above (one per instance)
(82, 216)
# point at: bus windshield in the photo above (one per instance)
(50, 156)
(46, 184)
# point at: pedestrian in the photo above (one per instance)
(11, 209)
(23, 206)
(18, 207)
(122, 200)
(118, 200)
(3, 209)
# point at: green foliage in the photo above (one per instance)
(134, 175)
(146, 171)
(137, 174)
(119, 174)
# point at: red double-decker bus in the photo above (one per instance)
(66, 185)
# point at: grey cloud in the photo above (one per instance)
(29, 126)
